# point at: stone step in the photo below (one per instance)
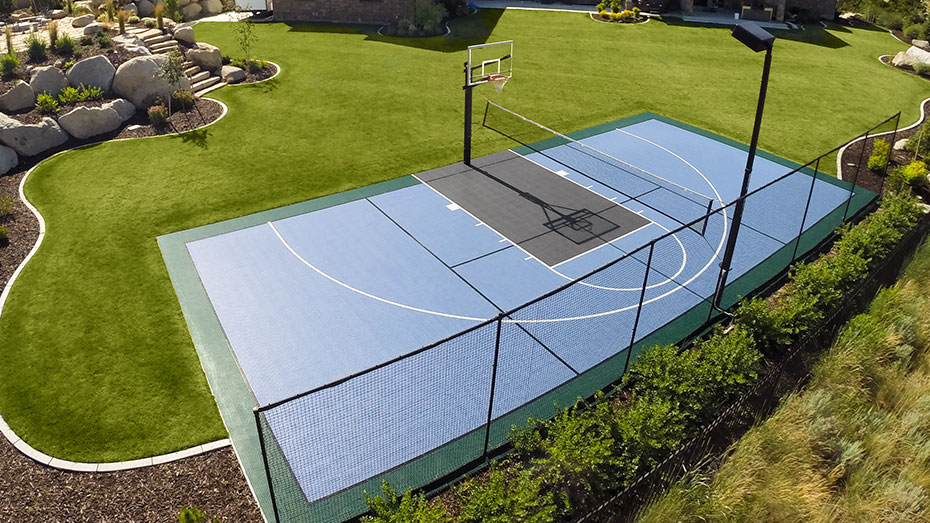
(191, 70)
(214, 87)
(156, 39)
(199, 77)
(163, 45)
(165, 50)
(203, 84)
(147, 33)
(188, 64)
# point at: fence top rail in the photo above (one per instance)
(506, 314)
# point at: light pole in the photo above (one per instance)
(757, 39)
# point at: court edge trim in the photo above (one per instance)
(76, 466)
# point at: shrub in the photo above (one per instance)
(601, 7)
(891, 20)
(80, 10)
(6, 206)
(52, 32)
(68, 65)
(507, 495)
(636, 12)
(92, 93)
(103, 18)
(8, 33)
(122, 16)
(4, 234)
(110, 9)
(69, 95)
(149, 23)
(64, 46)
(879, 157)
(913, 174)
(184, 99)
(36, 48)
(251, 66)
(827, 279)
(919, 143)
(172, 10)
(922, 69)
(649, 430)
(777, 324)
(133, 19)
(158, 115)
(87, 40)
(9, 63)
(46, 104)
(160, 16)
(389, 508)
(103, 39)
(915, 31)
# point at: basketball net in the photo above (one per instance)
(499, 81)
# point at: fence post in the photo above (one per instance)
(639, 310)
(794, 255)
(894, 136)
(497, 350)
(261, 441)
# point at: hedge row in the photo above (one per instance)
(564, 465)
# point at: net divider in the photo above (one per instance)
(602, 153)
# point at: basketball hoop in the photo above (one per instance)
(499, 81)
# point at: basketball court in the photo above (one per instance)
(372, 327)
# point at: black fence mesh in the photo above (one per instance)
(443, 410)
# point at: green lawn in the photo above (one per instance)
(96, 362)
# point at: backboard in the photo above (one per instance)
(485, 60)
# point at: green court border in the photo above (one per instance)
(236, 401)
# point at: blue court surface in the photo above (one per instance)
(310, 299)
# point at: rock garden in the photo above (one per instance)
(93, 77)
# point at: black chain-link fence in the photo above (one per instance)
(427, 417)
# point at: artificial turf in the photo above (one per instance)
(96, 362)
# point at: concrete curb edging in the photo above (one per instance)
(839, 155)
(73, 466)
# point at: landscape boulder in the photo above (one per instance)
(185, 34)
(47, 79)
(123, 107)
(911, 57)
(31, 139)
(901, 144)
(83, 20)
(131, 44)
(8, 159)
(137, 81)
(131, 7)
(92, 29)
(207, 57)
(95, 71)
(145, 8)
(211, 7)
(191, 11)
(19, 97)
(57, 14)
(182, 3)
(921, 44)
(84, 122)
(231, 74)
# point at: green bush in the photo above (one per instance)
(879, 156)
(828, 278)
(650, 429)
(183, 99)
(391, 508)
(72, 95)
(64, 46)
(69, 95)
(134, 19)
(103, 39)
(4, 234)
(879, 233)
(149, 22)
(915, 31)
(506, 495)
(158, 115)
(922, 69)
(87, 40)
(9, 64)
(36, 48)
(891, 20)
(46, 104)
(919, 142)
(913, 174)
(777, 323)
(251, 66)
(6, 206)
(90, 94)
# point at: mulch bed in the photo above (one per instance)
(211, 482)
(29, 491)
(886, 59)
(856, 157)
(267, 72)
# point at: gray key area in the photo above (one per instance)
(552, 218)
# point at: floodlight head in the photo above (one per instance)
(753, 36)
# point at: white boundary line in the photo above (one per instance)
(75, 466)
(839, 155)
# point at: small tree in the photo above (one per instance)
(160, 16)
(246, 38)
(172, 9)
(172, 71)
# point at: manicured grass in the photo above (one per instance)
(96, 362)
(851, 447)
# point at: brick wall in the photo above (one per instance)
(365, 11)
